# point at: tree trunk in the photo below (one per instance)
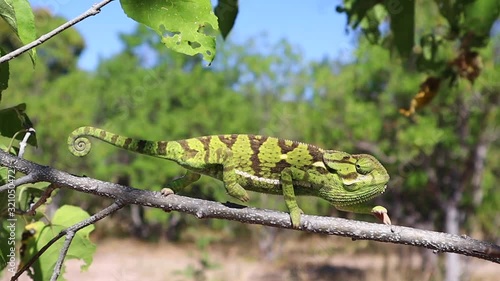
(453, 261)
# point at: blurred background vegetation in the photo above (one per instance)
(444, 160)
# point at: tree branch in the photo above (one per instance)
(440, 242)
(70, 233)
(94, 10)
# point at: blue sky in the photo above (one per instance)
(314, 26)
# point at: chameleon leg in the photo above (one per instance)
(229, 176)
(379, 212)
(287, 176)
(178, 184)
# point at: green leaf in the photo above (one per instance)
(226, 12)
(4, 74)
(19, 16)
(81, 246)
(371, 22)
(181, 23)
(356, 10)
(25, 19)
(7, 255)
(8, 14)
(13, 120)
(402, 15)
(479, 17)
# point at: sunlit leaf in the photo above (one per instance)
(182, 24)
(19, 16)
(25, 20)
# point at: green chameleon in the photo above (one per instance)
(262, 164)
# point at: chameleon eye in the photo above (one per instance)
(364, 166)
(338, 161)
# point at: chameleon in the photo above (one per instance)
(262, 164)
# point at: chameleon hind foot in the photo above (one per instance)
(238, 192)
(166, 191)
(180, 183)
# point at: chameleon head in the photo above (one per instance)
(358, 177)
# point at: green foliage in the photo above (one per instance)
(410, 22)
(226, 12)
(7, 229)
(81, 247)
(26, 194)
(19, 16)
(24, 24)
(487, 212)
(421, 137)
(402, 14)
(14, 119)
(478, 18)
(188, 23)
(435, 53)
(8, 252)
(59, 56)
(4, 74)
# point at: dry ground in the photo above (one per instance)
(312, 259)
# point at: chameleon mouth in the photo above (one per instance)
(359, 196)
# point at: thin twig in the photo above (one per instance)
(30, 178)
(42, 200)
(62, 255)
(72, 229)
(94, 10)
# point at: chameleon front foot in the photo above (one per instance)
(381, 213)
(295, 214)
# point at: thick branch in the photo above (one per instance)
(440, 242)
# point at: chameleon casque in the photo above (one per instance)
(262, 164)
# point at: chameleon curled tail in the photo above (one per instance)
(79, 144)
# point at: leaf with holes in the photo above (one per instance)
(183, 24)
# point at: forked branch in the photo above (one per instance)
(69, 233)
